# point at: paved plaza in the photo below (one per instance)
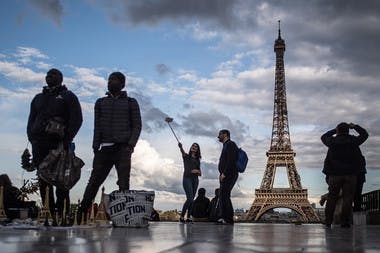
(196, 237)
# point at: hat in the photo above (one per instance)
(119, 76)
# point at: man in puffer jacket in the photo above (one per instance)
(55, 102)
(344, 161)
(116, 132)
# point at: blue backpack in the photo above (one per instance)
(242, 160)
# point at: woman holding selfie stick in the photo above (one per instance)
(191, 172)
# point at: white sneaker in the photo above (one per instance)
(221, 221)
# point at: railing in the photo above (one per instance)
(371, 200)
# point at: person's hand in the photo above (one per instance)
(198, 172)
(130, 149)
(222, 177)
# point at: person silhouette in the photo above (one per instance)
(344, 161)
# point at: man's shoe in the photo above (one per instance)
(181, 219)
(345, 225)
(222, 221)
(327, 225)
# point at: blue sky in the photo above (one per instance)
(207, 64)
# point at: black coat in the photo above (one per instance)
(201, 207)
(57, 102)
(117, 120)
(344, 156)
(228, 158)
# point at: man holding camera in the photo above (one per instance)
(344, 162)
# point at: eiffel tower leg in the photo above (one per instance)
(310, 215)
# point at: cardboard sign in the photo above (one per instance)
(129, 208)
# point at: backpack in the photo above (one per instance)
(242, 160)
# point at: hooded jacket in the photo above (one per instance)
(54, 102)
(228, 158)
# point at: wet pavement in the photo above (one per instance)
(196, 237)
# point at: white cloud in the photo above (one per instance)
(25, 55)
(21, 74)
(188, 76)
(153, 171)
(43, 66)
(30, 52)
(201, 33)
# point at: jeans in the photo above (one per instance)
(190, 185)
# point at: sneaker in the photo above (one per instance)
(327, 225)
(222, 221)
(181, 219)
(345, 225)
(189, 220)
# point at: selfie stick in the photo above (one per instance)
(168, 120)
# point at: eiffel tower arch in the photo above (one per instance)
(281, 154)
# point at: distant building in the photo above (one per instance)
(240, 214)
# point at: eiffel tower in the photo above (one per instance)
(281, 154)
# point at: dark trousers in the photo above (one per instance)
(226, 208)
(190, 185)
(40, 151)
(104, 160)
(347, 184)
(358, 193)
